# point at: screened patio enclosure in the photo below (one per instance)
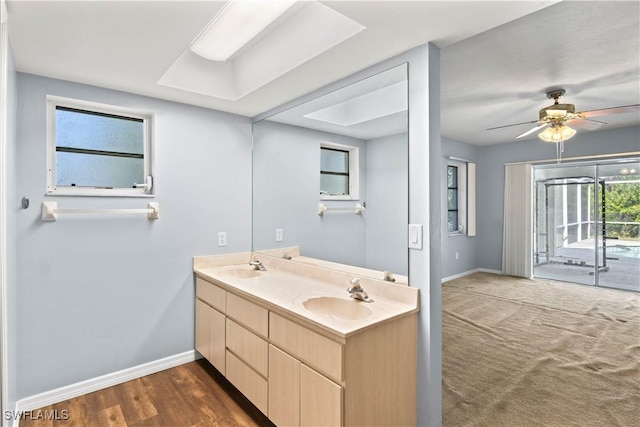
(586, 223)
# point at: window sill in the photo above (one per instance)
(99, 193)
(343, 198)
(458, 233)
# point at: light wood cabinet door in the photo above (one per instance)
(320, 399)
(210, 335)
(284, 388)
(202, 328)
(217, 340)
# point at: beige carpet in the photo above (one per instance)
(520, 352)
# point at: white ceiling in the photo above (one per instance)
(498, 58)
(500, 77)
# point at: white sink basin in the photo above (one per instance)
(338, 308)
(241, 273)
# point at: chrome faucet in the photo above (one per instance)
(357, 292)
(257, 265)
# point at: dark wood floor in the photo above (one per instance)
(193, 394)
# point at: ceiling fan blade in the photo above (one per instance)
(530, 131)
(613, 110)
(586, 124)
(515, 124)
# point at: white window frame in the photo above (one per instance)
(143, 189)
(354, 171)
(466, 198)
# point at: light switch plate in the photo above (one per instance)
(279, 235)
(415, 236)
(222, 238)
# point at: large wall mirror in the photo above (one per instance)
(330, 176)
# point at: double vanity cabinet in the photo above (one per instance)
(303, 352)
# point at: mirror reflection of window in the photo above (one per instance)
(345, 148)
(334, 171)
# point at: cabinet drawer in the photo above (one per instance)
(317, 351)
(252, 385)
(249, 347)
(249, 314)
(211, 294)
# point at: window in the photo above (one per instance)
(461, 198)
(339, 172)
(97, 150)
(452, 199)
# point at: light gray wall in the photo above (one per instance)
(286, 164)
(97, 294)
(490, 178)
(461, 244)
(387, 200)
(13, 204)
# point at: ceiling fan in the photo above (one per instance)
(556, 117)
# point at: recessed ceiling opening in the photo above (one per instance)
(308, 30)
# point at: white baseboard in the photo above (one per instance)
(466, 273)
(488, 270)
(94, 384)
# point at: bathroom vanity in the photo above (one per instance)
(292, 340)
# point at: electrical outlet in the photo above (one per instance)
(279, 235)
(222, 238)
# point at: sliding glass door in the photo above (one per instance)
(620, 225)
(587, 223)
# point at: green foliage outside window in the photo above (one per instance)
(623, 205)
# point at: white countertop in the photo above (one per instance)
(286, 291)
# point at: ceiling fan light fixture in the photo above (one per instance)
(546, 135)
(553, 113)
(558, 112)
(557, 133)
(567, 132)
(235, 26)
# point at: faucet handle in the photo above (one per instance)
(355, 285)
